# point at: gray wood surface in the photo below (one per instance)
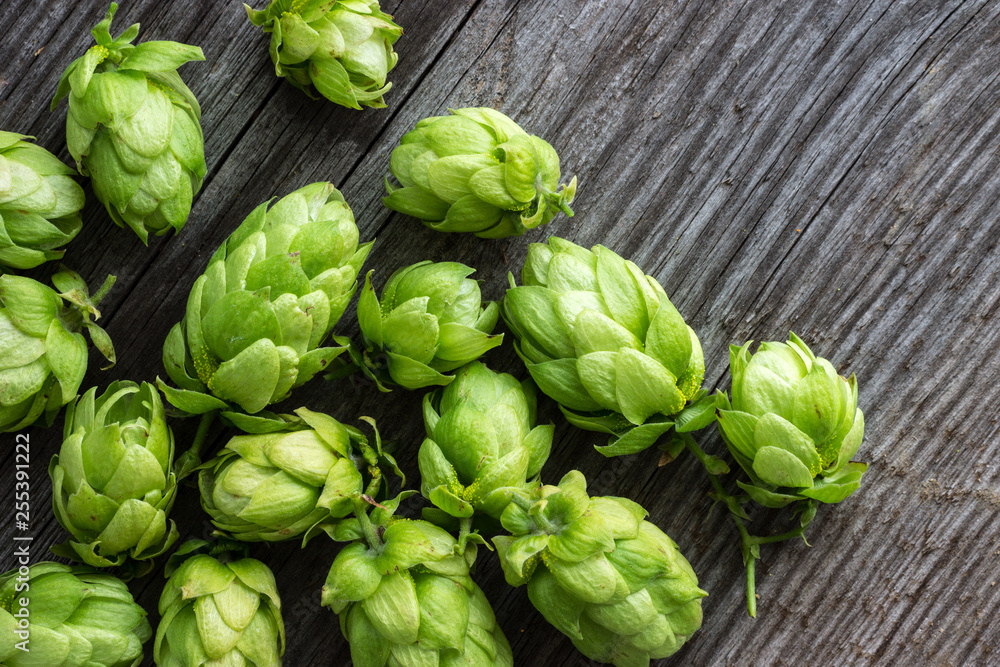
(826, 167)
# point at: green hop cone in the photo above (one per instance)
(218, 610)
(113, 486)
(793, 424)
(404, 597)
(477, 171)
(43, 355)
(258, 317)
(482, 442)
(341, 49)
(275, 486)
(603, 340)
(75, 617)
(39, 203)
(612, 582)
(134, 128)
(430, 320)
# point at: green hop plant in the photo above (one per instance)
(341, 49)
(612, 582)
(218, 610)
(135, 128)
(75, 617)
(257, 318)
(793, 424)
(112, 482)
(430, 320)
(39, 203)
(603, 340)
(477, 171)
(482, 442)
(275, 486)
(404, 597)
(43, 355)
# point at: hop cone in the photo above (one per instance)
(275, 486)
(482, 442)
(613, 583)
(218, 611)
(75, 617)
(258, 317)
(477, 171)
(43, 355)
(407, 599)
(793, 424)
(39, 203)
(134, 128)
(604, 341)
(341, 49)
(112, 483)
(431, 320)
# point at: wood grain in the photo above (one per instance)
(825, 167)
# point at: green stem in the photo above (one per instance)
(191, 459)
(367, 527)
(102, 291)
(464, 528)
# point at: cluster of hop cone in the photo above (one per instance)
(597, 336)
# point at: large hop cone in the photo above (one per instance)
(477, 171)
(612, 582)
(258, 319)
(793, 424)
(39, 203)
(55, 614)
(603, 340)
(134, 128)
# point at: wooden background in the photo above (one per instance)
(824, 166)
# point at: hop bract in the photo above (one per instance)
(75, 617)
(613, 583)
(257, 318)
(482, 442)
(793, 424)
(134, 128)
(275, 486)
(477, 171)
(341, 49)
(112, 482)
(604, 341)
(43, 355)
(409, 600)
(39, 203)
(218, 611)
(431, 320)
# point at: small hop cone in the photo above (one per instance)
(341, 49)
(45, 355)
(409, 600)
(112, 482)
(477, 171)
(482, 442)
(39, 203)
(134, 127)
(793, 424)
(217, 609)
(430, 321)
(612, 582)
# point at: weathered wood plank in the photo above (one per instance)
(825, 167)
